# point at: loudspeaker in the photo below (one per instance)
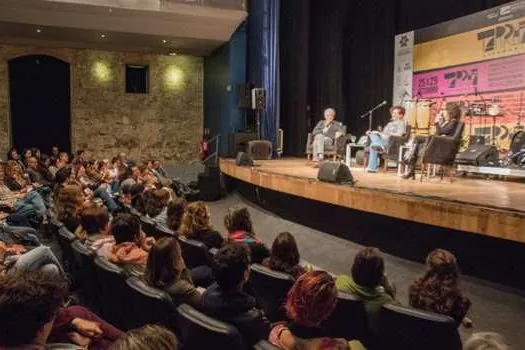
(244, 159)
(260, 149)
(238, 142)
(480, 155)
(244, 96)
(335, 172)
(258, 98)
(210, 184)
(476, 140)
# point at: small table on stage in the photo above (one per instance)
(349, 147)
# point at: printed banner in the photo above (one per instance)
(403, 71)
(497, 75)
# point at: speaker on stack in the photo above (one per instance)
(244, 96)
(259, 98)
(260, 149)
(335, 172)
(210, 184)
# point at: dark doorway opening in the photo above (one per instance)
(40, 103)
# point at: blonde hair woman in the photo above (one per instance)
(196, 224)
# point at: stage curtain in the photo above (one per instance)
(264, 61)
(342, 53)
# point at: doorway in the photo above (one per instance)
(40, 102)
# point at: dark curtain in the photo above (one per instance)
(340, 54)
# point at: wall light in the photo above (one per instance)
(39, 30)
(102, 36)
(172, 54)
(164, 41)
(101, 71)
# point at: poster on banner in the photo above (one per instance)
(403, 68)
(473, 60)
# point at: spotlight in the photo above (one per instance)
(102, 36)
(172, 54)
(164, 41)
(39, 30)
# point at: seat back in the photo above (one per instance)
(65, 238)
(459, 131)
(398, 327)
(148, 225)
(349, 319)
(161, 231)
(195, 253)
(198, 331)
(83, 270)
(270, 289)
(265, 345)
(149, 305)
(113, 292)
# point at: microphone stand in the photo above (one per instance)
(370, 113)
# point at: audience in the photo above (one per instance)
(196, 224)
(174, 213)
(19, 258)
(14, 156)
(14, 177)
(69, 204)
(94, 230)
(439, 290)
(225, 299)
(311, 300)
(131, 245)
(149, 337)
(156, 205)
(166, 270)
(284, 256)
(33, 170)
(368, 280)
(239, 225)
(486, 341)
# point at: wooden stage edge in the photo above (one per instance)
(426, 208)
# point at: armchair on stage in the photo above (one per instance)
(335, 151)
(441, 150)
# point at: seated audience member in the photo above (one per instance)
(94, 230)
(174, 213)
(240, 230)
(55, 151)
(149, 337)
(27, 205)
(56, 165)
(158, 169)
(14, 177)
(486, 341)
(139, 196)
(64, 158)
(63, 177)
(15, 156)
(17, 258)
(35, 176)
(311, 300)
(131, 245)
(166, 270)
(156, 206)
(196, 224)
(439, 290)
(94, 184)
(26, 154)
(146, 176)
(35, 152)
(284, 256)
(368, 280)
(225, 299)
(43, 168)
(69, 204)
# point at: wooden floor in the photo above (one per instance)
(488, 207)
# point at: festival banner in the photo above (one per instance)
(404, 53)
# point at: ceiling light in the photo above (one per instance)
(102, 36)
(172, 54)
(39, 30)
(164, 41)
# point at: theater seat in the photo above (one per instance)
(65, 238)
(148, 226)
(270, 289)
(161, 231)
(83, 270)
(195, 253)
(199, 331)
(398, 327)
(265, 345)
(348, 320)
(149, 305)
(114, 292)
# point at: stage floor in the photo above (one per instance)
(490, 207)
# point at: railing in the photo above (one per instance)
(222, 4)
(213, 159)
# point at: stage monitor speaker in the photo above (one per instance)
(478, 155)
(238, 142)
(259, 98)
(244, 96)
(476, 140)
(260, 149)
(335, 172)
(244, 159)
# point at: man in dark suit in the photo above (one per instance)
(325, 133)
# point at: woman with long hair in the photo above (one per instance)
(13, 154)
(156, 205)
(284, 256)
(196, 224)
(238, 223)
(14, 177)
(166, 270)
(69, 204)
(311, 300)
(439, 290)
(174, 213)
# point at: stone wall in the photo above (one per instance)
(166, 123)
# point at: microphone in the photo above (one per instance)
(383, 103)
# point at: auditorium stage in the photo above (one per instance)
(486, 207)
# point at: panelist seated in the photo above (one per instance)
(379, 140)
(325, 133)
(446, 124)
